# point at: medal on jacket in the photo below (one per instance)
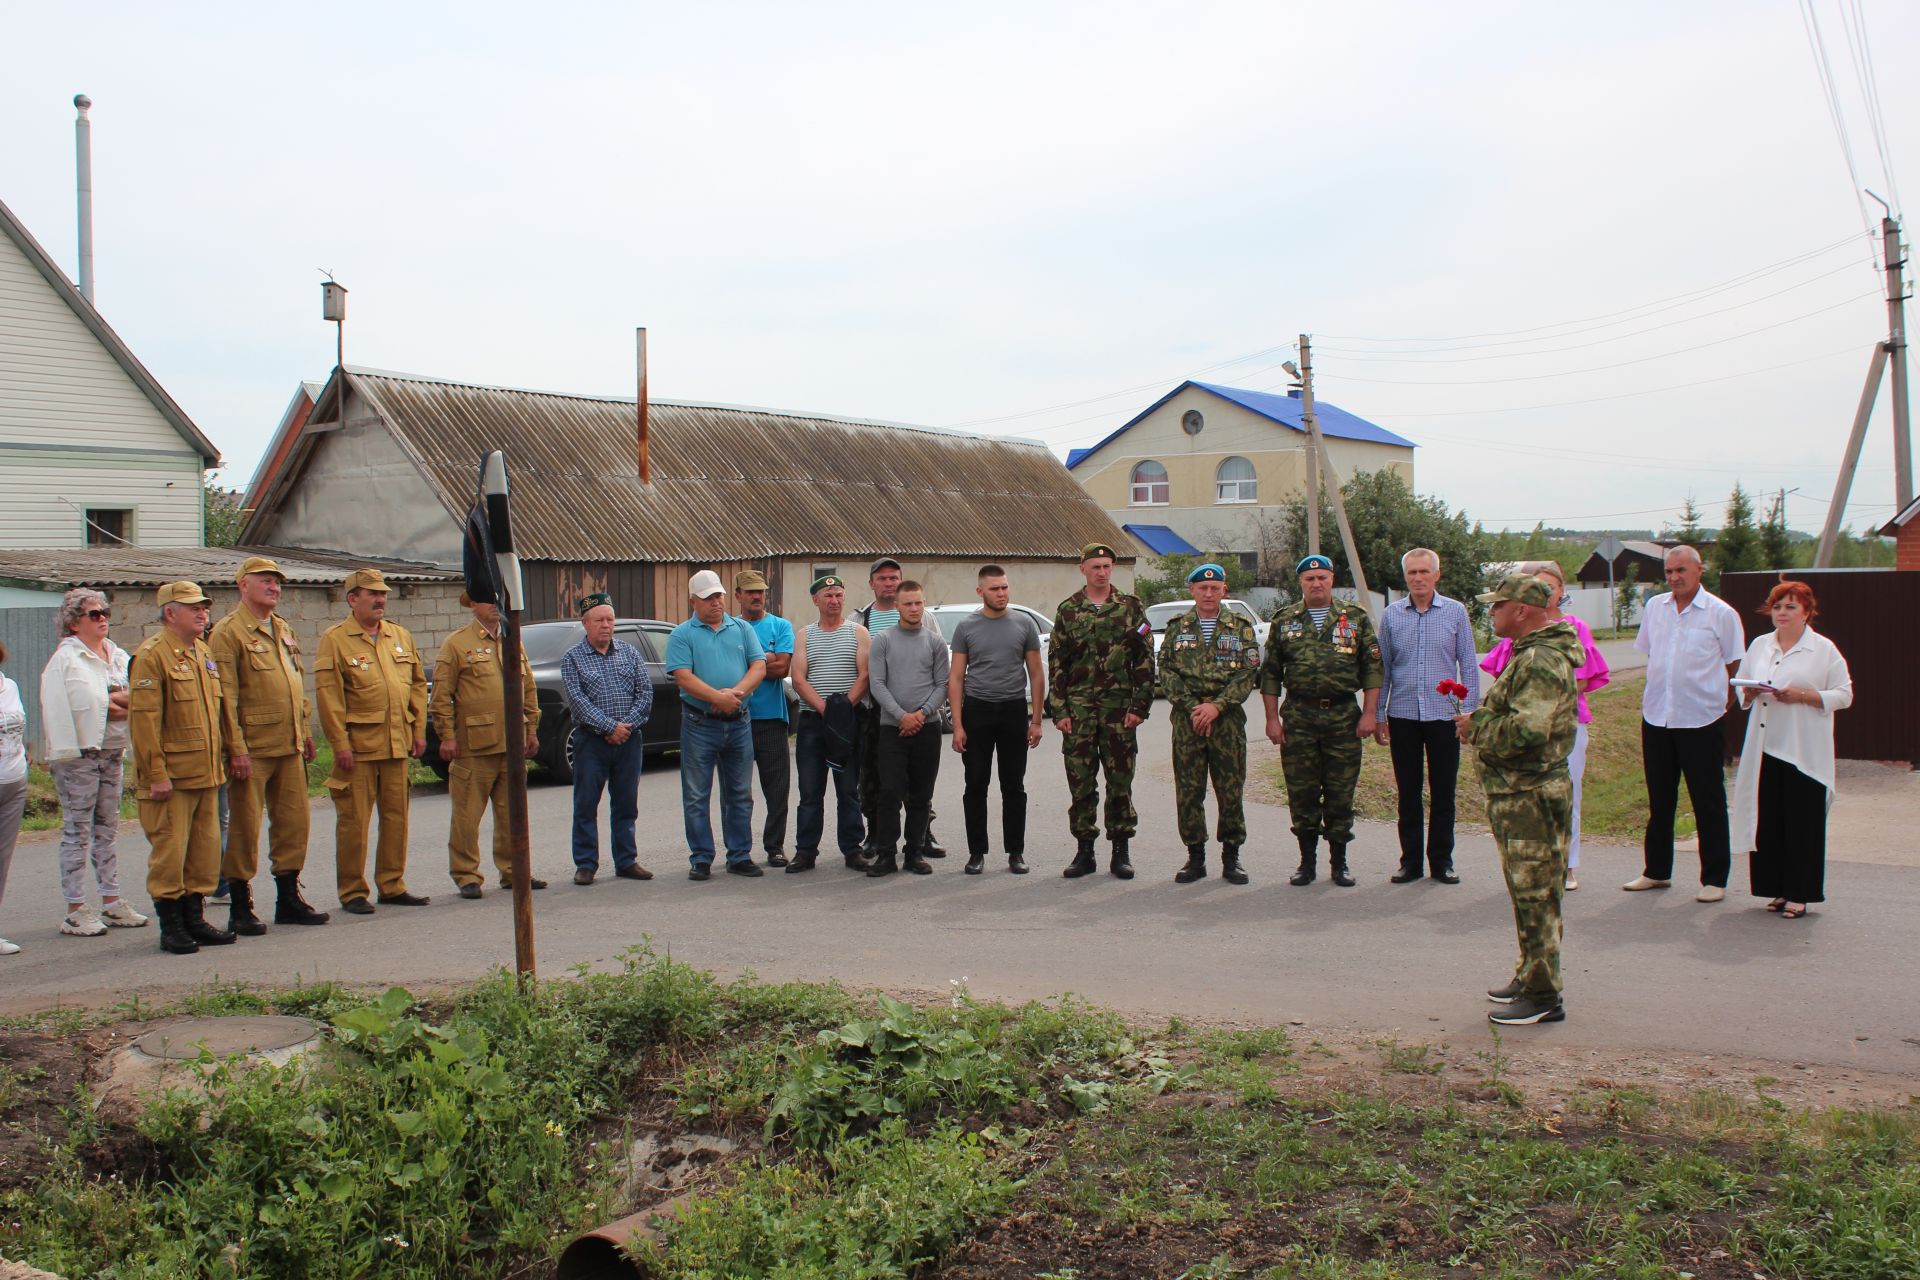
(211, 669)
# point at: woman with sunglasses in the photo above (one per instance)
(83, 706)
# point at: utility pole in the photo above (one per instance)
(1316, 450)
(1893, 351)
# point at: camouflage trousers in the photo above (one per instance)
(1533, 829)
(1097, 744)
(1221, 756)
(1322, 762)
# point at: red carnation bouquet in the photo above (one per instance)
(1456, 693)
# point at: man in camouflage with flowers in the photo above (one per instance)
(1321, 652)
(1521, 737)
(1209, 660)
(1099, 690)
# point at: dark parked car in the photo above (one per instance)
(545, 642)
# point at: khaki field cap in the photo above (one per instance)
(749, 580)
(181, 593)
(1523, 587)
(705, 585)
(260, 564)
(367, 580)
(1096, 549)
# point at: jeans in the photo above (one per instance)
(599, 765)
(995, 727)
(1668, 755)
(89, 788)
(907, 767)
(704, 743)
(810, 762)
(1432, 748)
(775, 767)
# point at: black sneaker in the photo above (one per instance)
(1528, 1009)
(471, 891)
(1507, 994)
(746, 868)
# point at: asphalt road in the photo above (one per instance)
(1653, 971)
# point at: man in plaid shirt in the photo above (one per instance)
(610, 694)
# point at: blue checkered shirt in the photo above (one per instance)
(1419, 650)
(606, 689)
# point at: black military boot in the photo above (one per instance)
(240, 917)
(1309, 860)
(1121, 864)
(1083, 863)
(173, 927)
(1337, 864)
(289, 906)
(1196, 868)
(932, 848)
(193, 910)
(1230, 869)
(883, 864)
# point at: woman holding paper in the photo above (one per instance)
(1791, 682)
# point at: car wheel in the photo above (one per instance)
(559, 761)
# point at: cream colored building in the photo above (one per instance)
(1212, 465)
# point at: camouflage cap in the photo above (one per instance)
(1093, 550)
(259, 564)
(180, 593)
(1208, 573)
(367, 580)
(1523, 587)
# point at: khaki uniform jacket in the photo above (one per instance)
(469, 698)
(372, 691)
(265, 709)
(173, 715)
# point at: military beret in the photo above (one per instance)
(1314, 561)
(259, 564)
(1208, 573)
(1096, 549)
(1523, 587)
(824, 581)
(367, 580)
(181, 593)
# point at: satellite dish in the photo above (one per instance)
(1191, 421)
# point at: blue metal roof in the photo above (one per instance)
(1160, 540)
(1285, 409)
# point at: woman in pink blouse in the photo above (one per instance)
(1592, 673)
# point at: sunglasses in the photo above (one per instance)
(99, 615)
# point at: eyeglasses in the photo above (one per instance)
(99, 615)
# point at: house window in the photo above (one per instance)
(108, 526)
(1150, 486)
(1235, 482)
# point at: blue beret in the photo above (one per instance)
(1208, 573)
(1315, 561)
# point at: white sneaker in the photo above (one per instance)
(82, 924)
(9, 948)
(121, 915)
(1573, 882)
(1710, 893)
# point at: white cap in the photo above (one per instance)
(704, 584)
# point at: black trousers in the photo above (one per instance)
(1425, 751)
(1790, 840)
(1667, 756)
(995, 728)
(908, 768)
(775, 767)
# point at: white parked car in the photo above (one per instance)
(948, 617)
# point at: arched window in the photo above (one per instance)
(1150, 486)
(1235, 482)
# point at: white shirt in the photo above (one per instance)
(13, 734)
(73, 699)
(1802, 736)
(1688, 653)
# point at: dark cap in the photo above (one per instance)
(884, 562)
(592, 601)
(1096, 549)
(824, 581)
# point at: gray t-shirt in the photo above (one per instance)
(909, 671)
(996, 650)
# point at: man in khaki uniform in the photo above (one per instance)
(470, 717)
(173, 721)
(268, 744)
(372, 688)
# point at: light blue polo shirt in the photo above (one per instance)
(769, 701)
(719, 657)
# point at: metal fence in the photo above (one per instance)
(28, 635)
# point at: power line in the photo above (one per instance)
(1860, 48)
(1811, 21)
(1123, 391)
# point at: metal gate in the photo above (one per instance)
(28, 634)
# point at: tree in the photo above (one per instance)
(1739, 547)
(1776, 543)
(1690, 531)
(1389, 519)
(1626, 594)
(224, 515)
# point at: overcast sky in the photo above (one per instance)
(959, 215)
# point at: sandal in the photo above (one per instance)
(1777, 905)
(1792, 913)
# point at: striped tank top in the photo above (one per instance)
(832, 658)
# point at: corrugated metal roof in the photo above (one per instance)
(732, 483)
(1161, 540)
(1283, 409)
(151, 566)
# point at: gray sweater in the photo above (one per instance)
(908, 670)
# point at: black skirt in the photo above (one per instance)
(1790, 839)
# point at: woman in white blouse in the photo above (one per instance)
(1785, 784)
(13, 779)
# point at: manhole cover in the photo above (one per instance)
(226, 1037)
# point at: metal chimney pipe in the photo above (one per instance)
(83, 164)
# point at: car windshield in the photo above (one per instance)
(546, 641)
(1159, 615)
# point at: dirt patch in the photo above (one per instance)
(40, 1077)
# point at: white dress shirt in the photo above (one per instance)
(1688, 652)
(1799, 735)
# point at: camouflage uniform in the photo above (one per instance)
(1321, 669)
(1223, 673)
(1100, 668)
(1521, 736)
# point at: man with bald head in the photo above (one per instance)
(1693, 642)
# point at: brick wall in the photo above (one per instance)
(1907, 547)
